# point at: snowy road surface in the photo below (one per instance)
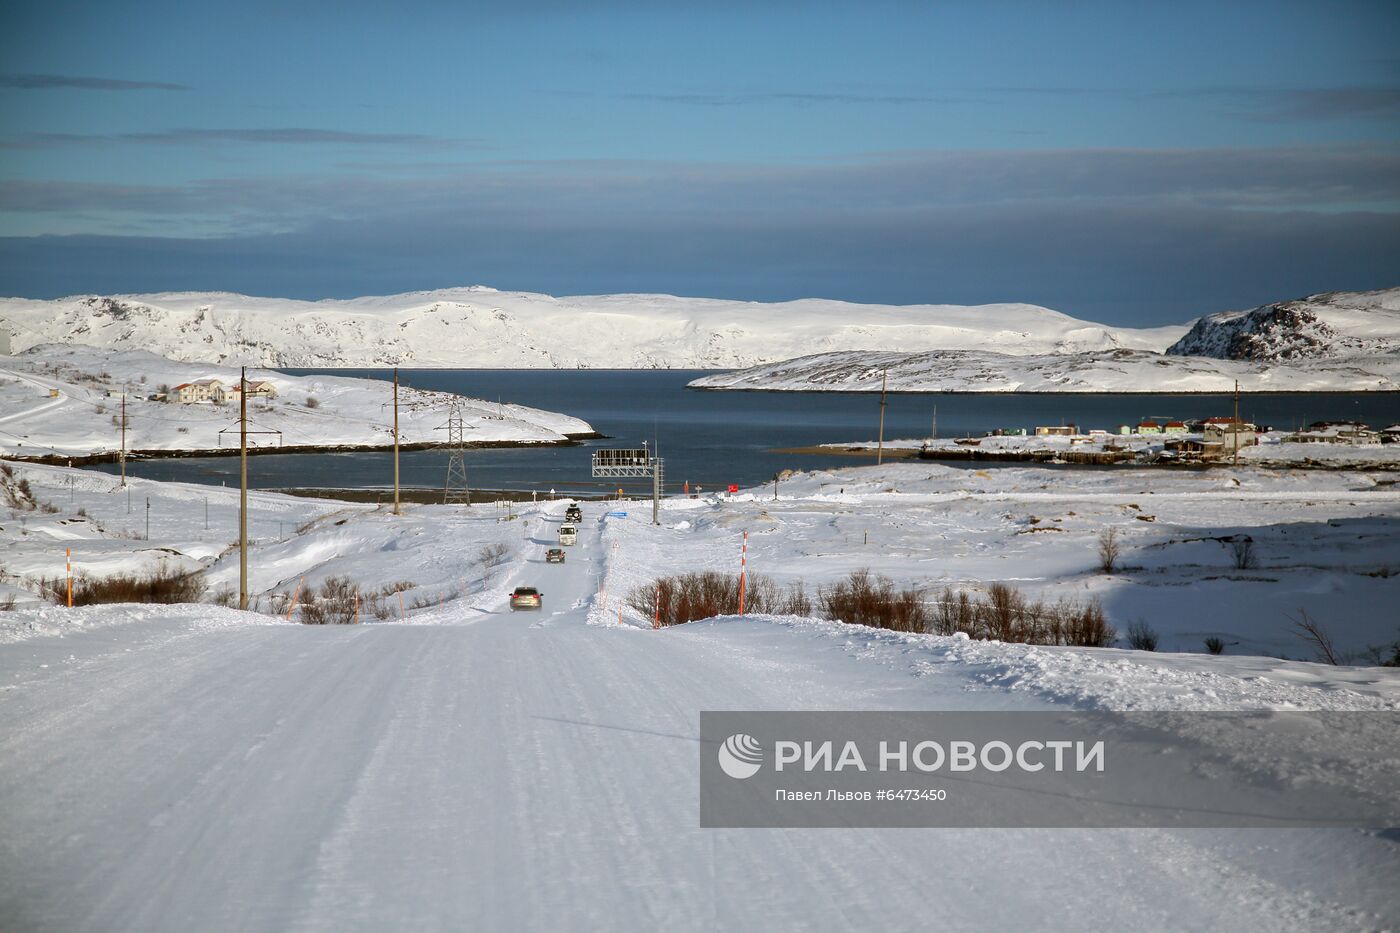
(529, 771)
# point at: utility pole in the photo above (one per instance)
(123, 438)
(396, 440)
(880, 449)
(243, 488)
(1235, 428)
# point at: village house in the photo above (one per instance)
(1390, 435)
(1230, 434)
(1334, 432)
(1149, 427)
(257, 388)
(1055, 430)
(1175, 427)
(201, 390)
(1192, 448)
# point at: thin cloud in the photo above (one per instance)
(1331, 103)
(189, 136)
(745, 98)
(570, 192)
(38, 82)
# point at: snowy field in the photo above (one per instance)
(66, 400)
(453, 765)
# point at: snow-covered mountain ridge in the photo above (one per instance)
(482, 327)
(1327, 326)
(1112, 371)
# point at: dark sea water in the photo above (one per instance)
(715, 438)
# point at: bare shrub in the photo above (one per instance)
(1142, 636)
(224, 597)
(1109, 550)
(1215, 645)
(1003, 614)
(794, 601)
(333, 604)
(865, 599)
(1315, 635)
(7, 603)
(955, 612)
(313, 402)
(164, 584)
(1242, 546)
(493, 554)
(1087, 627)
(704, 595)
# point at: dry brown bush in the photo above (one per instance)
(702, 595)
(164, 584)
(865, 599)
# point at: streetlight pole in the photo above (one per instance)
(123, 437)
(396, 440)
(880, 444)
(243, 488)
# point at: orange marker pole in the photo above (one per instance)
(401, 612)
(656, 622)
(69, 552)
(357, 607)
(295, 594)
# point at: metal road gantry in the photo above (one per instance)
(636, 463)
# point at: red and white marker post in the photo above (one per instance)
(743, 570)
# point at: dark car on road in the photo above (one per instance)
(554, 555)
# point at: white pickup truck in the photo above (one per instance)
(568, 534)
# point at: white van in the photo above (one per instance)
(568, 534)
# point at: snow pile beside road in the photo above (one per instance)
(1094, 678)
(24, 624)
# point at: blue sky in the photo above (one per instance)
(1134, 163)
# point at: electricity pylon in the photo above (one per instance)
(456, 488)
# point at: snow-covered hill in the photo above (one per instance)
(1112, 371)
(1330, 326)
(66, 401)
(482, 327)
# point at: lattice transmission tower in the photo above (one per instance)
(456, 489)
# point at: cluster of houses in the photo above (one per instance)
(214, 390)
(1343, 432)
(1209, 439)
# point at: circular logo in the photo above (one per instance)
(741, 756)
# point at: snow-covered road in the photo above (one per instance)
(531, 771)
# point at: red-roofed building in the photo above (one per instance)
(201, 390)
